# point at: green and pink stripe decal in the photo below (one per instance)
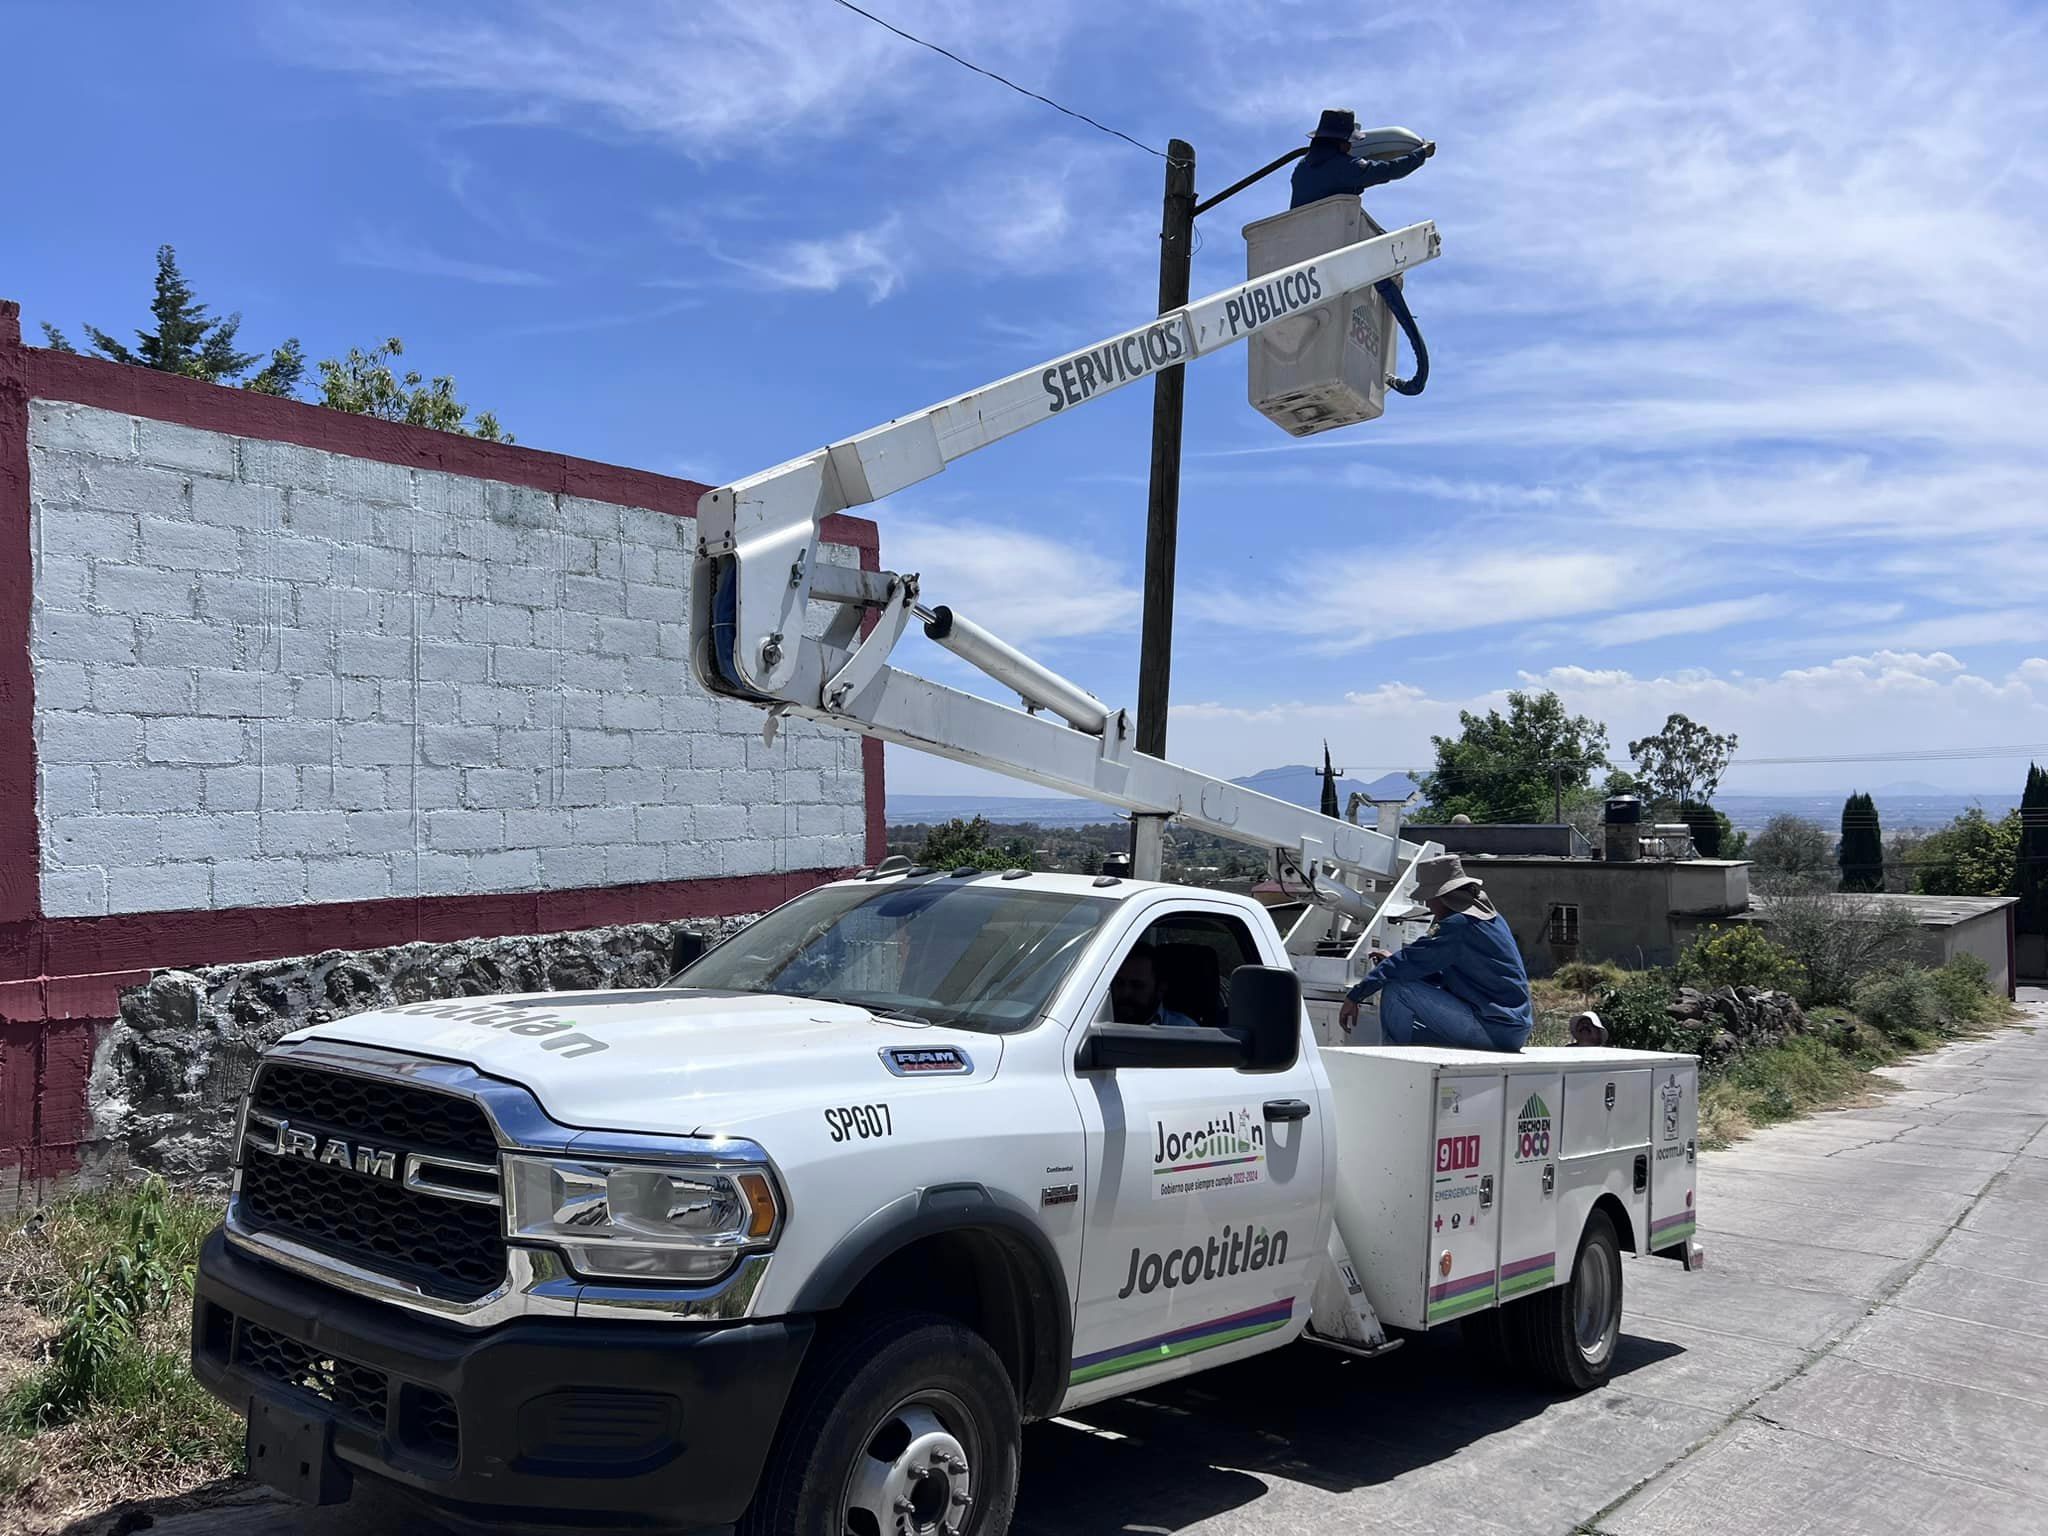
(1530, 1274)
(1670, 1231)
(1182, 1341)
(1454, 1298)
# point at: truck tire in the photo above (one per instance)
(901, 1423)
(1565, 1336)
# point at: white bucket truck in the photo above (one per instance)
(801, 1240)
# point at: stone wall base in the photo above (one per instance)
(170, 1071)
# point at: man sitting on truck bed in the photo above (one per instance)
(1461, 984)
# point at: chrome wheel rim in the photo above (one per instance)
(1596, 1291)
(914, 1475)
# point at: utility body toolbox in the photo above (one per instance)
(1464, 1181)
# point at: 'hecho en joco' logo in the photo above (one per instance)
(1532, 1130)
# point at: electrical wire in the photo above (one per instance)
(911, 37)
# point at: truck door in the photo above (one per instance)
(1204, 1219)
(1464, 1206)
(1674, 1122)
(1528, 1204)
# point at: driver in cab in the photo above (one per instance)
(1134, 992)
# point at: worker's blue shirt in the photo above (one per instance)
(1472, 958)
(1329, 167)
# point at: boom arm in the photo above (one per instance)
(757, 572)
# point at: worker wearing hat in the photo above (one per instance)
(1461, 984)
(1334, 163)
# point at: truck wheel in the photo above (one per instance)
(905, 1424)
(1566, 1335)
(1485, 1335)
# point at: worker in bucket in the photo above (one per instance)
(1461, 984)
(1339, 159)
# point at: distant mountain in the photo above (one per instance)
(1919, 788)
(1897, 811)
(1297, 783)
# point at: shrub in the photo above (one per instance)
(1742, 956)
(1836, 940)
(1588, 978)
(1962, 992)
(1902, 1002)
(99, 1354)
(1633, 1010)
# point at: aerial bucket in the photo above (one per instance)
(1328, 366)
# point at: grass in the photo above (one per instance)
(1899, 1013)
(97, 1403)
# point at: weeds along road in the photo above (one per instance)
(1865, 1354)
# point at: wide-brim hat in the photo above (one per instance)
(1336, 124)
(1444, 876)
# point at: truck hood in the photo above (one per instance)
(666, 1061)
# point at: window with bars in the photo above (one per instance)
(1564, 922)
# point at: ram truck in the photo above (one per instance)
(801, 1240)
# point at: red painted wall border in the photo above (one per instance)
(19, 856)
(33, 948)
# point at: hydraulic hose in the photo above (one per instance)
(1390, 292)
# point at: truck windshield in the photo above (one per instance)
(978, 956)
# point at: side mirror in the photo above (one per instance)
(1265, 1013)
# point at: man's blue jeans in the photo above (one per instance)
(1415, 1013)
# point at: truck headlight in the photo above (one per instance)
(641, 1221)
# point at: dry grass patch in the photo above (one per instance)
(97, 1402)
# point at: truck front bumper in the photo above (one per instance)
(536, 1424)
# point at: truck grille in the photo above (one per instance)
(388, 1113)
(426, 1419)
(452, 1249)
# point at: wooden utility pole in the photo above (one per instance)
(1162, 507)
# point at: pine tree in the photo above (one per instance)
(2030, 875)
(190, 341)
(1861, 854)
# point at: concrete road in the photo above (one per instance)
(1865, 1355)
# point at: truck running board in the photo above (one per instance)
(1385, 1346)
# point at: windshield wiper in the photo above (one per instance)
(879, 1010)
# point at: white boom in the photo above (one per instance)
(757, 571)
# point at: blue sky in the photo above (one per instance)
(1737, 394)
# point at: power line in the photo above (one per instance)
(911, 37)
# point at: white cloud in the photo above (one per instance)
(2000, 626)
(874, 259)
(1853, 706)
(712, 77)
(390, 253)
(1347, 602)
(1699, 618)
(1023, 586)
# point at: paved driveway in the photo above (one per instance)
(1868, 1353)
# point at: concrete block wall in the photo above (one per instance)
(277, 681)
(267, 674)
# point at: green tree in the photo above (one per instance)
(965, 844)
(1682, 764)
(367, 384)
(1791, 847)
(2030, 872)
(1860, 854)
(1513, 767)
(190, 341)
(1971, 856)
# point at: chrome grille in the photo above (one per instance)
(448, 1244)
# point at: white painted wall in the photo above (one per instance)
(267, 675)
